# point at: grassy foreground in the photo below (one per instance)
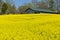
(30, 27)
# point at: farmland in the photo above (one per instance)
(30, 27)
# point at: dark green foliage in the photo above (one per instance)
(4, 8)
(51, 4)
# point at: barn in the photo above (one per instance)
(32, 10)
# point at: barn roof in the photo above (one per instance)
(45, 10)
(36, 10)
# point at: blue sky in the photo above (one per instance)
(21, 2)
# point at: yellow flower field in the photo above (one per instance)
(30, 27)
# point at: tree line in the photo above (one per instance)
(6, 6)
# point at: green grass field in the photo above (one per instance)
(30, 27)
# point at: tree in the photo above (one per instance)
(9, 1)
(13, 9)
(11, 6)
(4, 8)
(21, 9)
(42, 5)
(1, 3)
(51, 4)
